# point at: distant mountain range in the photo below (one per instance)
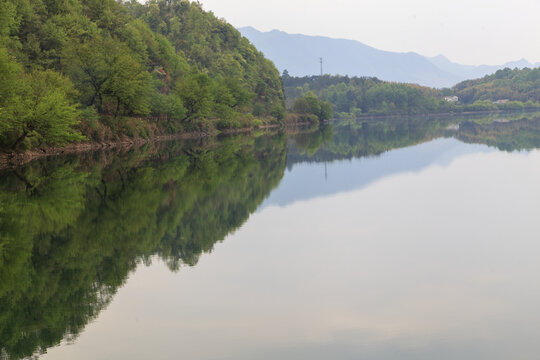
(299, 55)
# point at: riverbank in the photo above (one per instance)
(441, 114)
(14, 159)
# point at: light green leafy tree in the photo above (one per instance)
(46, 112)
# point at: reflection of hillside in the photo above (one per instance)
(348, 140)
(362, 139)
(71, 231)
(513, 135)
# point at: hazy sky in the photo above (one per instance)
(466, 31)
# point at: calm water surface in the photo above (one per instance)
(393, 239)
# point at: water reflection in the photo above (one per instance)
(349, 140)
(367, 145)
(73, 229)
(503, 133)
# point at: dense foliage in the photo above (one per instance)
(366, 95)
(311, 109)
(354, 97)
(515, 85)
(125, 69)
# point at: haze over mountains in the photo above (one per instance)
(299, 55)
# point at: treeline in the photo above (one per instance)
(366, 96)
(353, 97)
(103, 69)
(521, 85)
(71, 230)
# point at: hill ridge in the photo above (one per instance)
(299, 53)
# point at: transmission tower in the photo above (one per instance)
(321, 66)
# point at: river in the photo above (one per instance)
(406, 238)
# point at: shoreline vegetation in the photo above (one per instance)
(14, 159)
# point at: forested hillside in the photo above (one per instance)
(102, 70)
(507, 84)
(367, 96)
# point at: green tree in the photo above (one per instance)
(196, 94)
(87, 66)
(10, 73)
(301, 106)
(169, 105)
(129, 85)
(46, 112)
(309, 104)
